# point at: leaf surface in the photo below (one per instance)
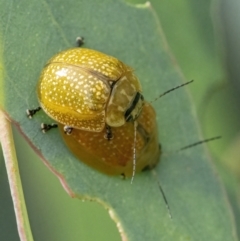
(32, 32)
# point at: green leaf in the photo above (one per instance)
(8, 225)
(31, 32)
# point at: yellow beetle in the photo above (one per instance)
(97, 100)
(85, 89)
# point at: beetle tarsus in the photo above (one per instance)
(31, 113)
(123, 176)
(47, 127)
(108, 135)
(79, 41)
(148, 167)
(68, 130)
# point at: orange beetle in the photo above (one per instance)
(115, 156)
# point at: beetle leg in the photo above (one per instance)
(160, 146)
(108, 135)
(67, 130)
(123, 176)
(148, 167)
(47, 127)
(31, 113)
(79, 41)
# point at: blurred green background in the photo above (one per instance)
(204, 36)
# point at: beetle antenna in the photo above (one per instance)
(168, 91)
(199, 143)
(162, 192)
(134, 150)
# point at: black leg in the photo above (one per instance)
(47, 127)
(148, 167)
(123, 176)
(31, 113)
(79, 41)
(67, 130)
(108, 135)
